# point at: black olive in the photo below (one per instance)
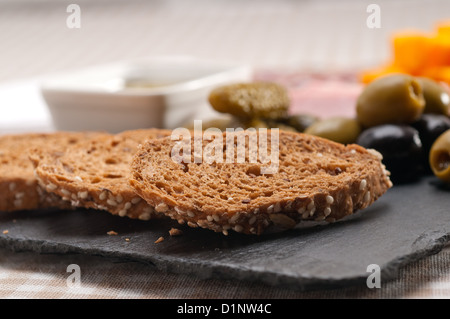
(401, 148)
(430, 127)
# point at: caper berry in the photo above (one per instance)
(251, 100)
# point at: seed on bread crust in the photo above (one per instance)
(135, 200)
(234, 218)
(175, 232)
(161, 208)
(330, 199)
(363, 184)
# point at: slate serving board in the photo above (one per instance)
(407, 223)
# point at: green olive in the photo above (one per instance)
(440, 157)
(338, 129)
(251, 100)
(437, 99)
(300, 121)
(396, 98)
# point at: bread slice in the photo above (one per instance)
(95, 174)
(317, 179)
(19, 189)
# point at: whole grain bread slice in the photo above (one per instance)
(19, 189)
(95, 174)
(316, 180)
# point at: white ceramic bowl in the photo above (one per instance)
(163, 92)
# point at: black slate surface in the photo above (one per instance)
(407, 223)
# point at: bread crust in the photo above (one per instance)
(317, 180)
(19, 189)
(95, 174)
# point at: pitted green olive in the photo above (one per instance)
(440, 157)
(394, 98)
(338, 129)
(251, 100)
(437, 99)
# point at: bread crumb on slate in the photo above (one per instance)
(127, 239)
(112, 233)
(5, 232)
(160, 239)
(175, 232)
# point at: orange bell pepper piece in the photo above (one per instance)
(441, 73)
(411, 51)
(443, 29)
(370, 75)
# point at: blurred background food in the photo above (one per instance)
(420, 52)
(293, 43)
(324, 35)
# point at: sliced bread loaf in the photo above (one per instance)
(316, 180)
(19, 189)
(95, 174)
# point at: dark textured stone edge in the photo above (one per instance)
(428, 244)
